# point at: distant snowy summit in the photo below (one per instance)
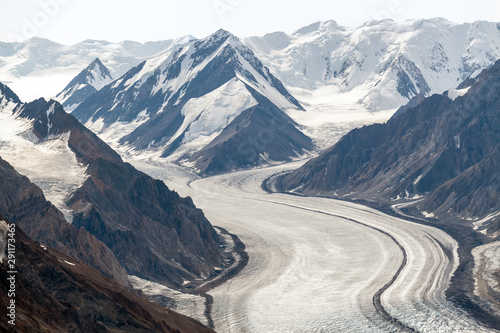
(322, 64)
(360, 66)
(85, 84)
(380, 65)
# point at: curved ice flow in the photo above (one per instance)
(312, 269)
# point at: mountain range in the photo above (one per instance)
(379, 65)
(152, 231)
(220, 104)
(39, 67)
(209, 102)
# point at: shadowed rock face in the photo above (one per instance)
(24, 203)
(474, 193)
(56, 293)
(154, 233)
(8, 94)
(440, 147)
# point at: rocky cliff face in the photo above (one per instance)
(472, 194)
(24, 203)
(445, 147)
(56, 293)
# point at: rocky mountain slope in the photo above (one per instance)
(85, 84)
(379, 65)
(444, 148)
(56, 293)
(154, 233)
(187, 98)
(24, 203)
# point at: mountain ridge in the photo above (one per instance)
(364, 65)
(29, 66)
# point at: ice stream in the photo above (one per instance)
(316, 264)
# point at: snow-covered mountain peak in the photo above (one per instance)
(277, 40)
(89, 81)
(98, 75)
(172, 73)
(206, 46)
(38, 42)
(374, 23)
(41, 68)
(220, 35)
(95, 42)
(311, 28)
(318, 29)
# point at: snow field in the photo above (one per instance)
(210, 114)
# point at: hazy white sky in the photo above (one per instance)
(71, 21)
